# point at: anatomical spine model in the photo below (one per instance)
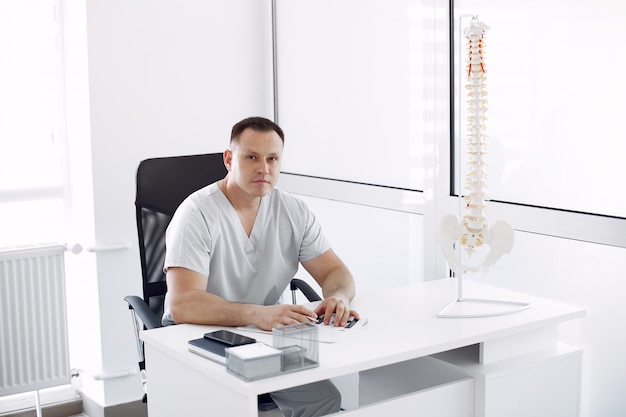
(472, 233)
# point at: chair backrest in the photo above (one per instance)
(162, 184)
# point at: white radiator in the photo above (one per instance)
(33, 320)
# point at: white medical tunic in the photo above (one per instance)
(206, 236)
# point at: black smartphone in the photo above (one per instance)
(229, 338)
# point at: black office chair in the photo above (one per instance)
(162, 184)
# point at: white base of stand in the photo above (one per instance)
(476, 307)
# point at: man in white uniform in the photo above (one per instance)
(233, 247)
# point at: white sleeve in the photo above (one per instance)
(188, 240)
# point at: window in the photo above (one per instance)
(353, 88)
(31, 114)
(554, 105)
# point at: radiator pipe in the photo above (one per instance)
(75, 372)
(108, 248)
(77, 248)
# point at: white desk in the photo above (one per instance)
(407, 360)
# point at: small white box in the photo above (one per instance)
(253, 361)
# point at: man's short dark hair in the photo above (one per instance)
(260, 124)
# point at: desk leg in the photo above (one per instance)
(175, 389)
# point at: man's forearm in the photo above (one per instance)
(339, 283)
(206, 308)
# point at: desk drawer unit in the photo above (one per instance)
(542, 383)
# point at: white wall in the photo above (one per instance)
(164, 78)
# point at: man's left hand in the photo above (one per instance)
(340, 307)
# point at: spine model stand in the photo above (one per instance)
(473, 233)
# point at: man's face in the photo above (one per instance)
(254, 163)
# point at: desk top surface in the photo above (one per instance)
(402, 325)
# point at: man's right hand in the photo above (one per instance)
(283, 315)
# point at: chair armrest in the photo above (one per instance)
(306, 289)
(149, 319)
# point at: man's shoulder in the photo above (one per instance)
(200, 201)
(204, 194)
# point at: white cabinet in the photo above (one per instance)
(546, 382)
